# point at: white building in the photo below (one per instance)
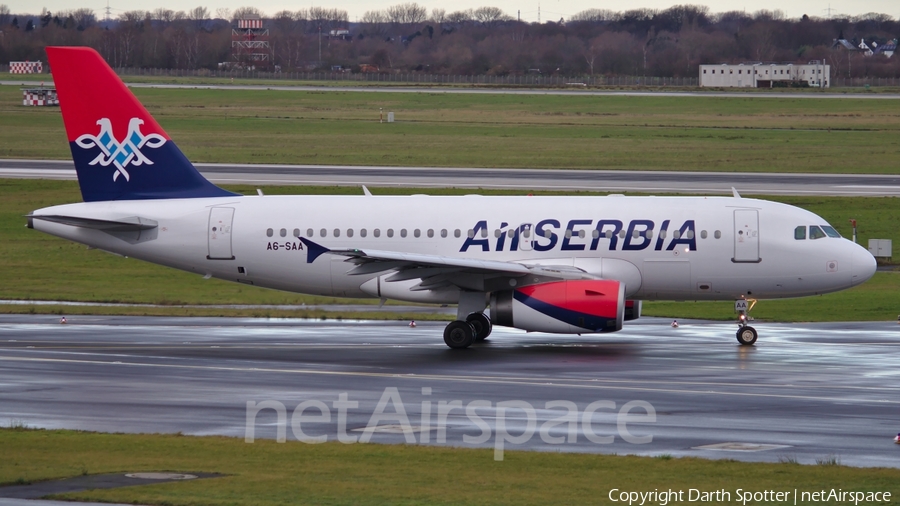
(764, 75)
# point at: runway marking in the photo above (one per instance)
(463, 379)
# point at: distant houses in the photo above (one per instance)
(870, 48)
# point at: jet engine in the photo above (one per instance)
(562, 307)
(632, 310)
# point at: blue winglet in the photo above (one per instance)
(313, 250)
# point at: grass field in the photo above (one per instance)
(42, 267)
(268, 473)
(753, 134)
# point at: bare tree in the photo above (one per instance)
(199, 15)
(376, 22)
(223, 13)
(83, 18)
(490, 16)
(4, 15)
(461, 17)
(164, 15)
(595, 16)
(438, 15)
(246, 13)
(408, 13)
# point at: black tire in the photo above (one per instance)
(746, 335)
(459, 335)
(482, 325)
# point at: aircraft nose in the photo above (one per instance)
(863, 265)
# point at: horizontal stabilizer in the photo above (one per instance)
(130, 224)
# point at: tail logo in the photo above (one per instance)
(120, 153)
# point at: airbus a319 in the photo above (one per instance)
(549, 264)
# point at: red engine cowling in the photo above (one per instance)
(562, 307)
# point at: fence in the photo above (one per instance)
(420, 78)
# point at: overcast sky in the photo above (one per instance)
(549, 9)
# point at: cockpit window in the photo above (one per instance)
(830, 231)
(815, 232)
(800, 233)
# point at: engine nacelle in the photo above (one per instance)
(562, 307)
(632, 310)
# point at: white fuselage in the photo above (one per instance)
(715, 248)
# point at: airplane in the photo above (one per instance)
(558, 264)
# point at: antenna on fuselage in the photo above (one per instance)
(735, 193)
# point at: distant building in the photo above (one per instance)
(765, 75)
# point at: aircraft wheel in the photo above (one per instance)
(746, 335)
(459, 334)
(482, 325)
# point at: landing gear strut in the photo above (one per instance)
(746, 335)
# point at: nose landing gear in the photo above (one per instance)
(746, 335)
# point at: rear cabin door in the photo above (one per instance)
(219, 233)
(746, 235)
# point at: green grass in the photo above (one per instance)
(42, 267)
(268, 473)
(752, 134)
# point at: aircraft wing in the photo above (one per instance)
(436, 271)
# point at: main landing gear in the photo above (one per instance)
(746, 335)
(462, 334)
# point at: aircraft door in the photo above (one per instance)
(746, 235)
(523, 238)
(219, 233)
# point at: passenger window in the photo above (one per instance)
(430, 233)
(484, 232)
(622, 234)
(443, 232)
(416, 233)
(323, 232)
(676, 234)
(362, 232)
(703, 234)
(510, 233)
(497, 233)
(718, 234)
(337, 232)
(815, 232)
(283, 232)
(296, 232)
(390, 232)
(581, 234)
(349, 232)
(377, 232)
(830, 231)
(689, 234)
(595, 234)
(471, 233)
(649, 234)
(663, 234)
(309, 232)
(402, 232)
(568, 234)
(800, 233)
(456, 233)
(270, 232)
(548, 234)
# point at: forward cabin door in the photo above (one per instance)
(219, 232)
(746, 235)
